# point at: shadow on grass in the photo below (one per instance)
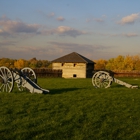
(117, 86)
(62, 90)
(52, 91)
(122, 86)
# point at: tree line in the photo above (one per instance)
(21, 63)
(119, 63)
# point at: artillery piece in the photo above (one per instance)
(24, 78)
(103, 79)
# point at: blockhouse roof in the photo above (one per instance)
(73, 58)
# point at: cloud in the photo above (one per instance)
(130, 35)
(60, 18)
(119, 35)
(125, 35)
(7, 43)
(130, 19)
(16, 28)
(24, 52)
(88, 50)
(76, 46)
(52, 50)
(9, 27)
(64, 31)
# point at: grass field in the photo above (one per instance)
(73, 110)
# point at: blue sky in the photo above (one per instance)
(48, 29)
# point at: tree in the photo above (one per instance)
(129, 63)
(110, 64)
(7, 62)
(100, 64)
(33, 63)
(116, 63)
(19, 63)
(119, 63)
(136, 62)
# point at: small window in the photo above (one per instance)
(74, 65)
(74, 75)
(62, 64)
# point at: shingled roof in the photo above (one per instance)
(73, 58)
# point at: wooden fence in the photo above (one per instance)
(58, 73)
(122, 73)
(126, 73)
(48, 73)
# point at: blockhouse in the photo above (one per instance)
(74, 65)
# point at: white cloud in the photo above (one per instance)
(8, 27)
(64, 31)
(12, 27)
(130, 19)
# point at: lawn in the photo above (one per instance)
(73, 110)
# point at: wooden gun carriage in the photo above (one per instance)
(24, 78)
(103, 79)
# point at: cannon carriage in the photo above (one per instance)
(103, 79)
(24, 78)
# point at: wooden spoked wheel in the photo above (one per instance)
(6, 80)
(102, 79)
(29, 73)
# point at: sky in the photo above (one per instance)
(49, 29)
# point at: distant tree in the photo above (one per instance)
(136, 62)
(100, 64)
(110, 64)
(39, 64)
(7, 62)
(116, 63)
(119, 63)
(129, 63)
(26, 63)
(19, 63)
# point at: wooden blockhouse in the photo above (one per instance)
(74, 65)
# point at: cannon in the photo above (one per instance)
(24, 78)
(103, 79)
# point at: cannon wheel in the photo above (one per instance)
(6, 80)
(102, 79)
(29, 73)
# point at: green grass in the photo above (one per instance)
(73, 110)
